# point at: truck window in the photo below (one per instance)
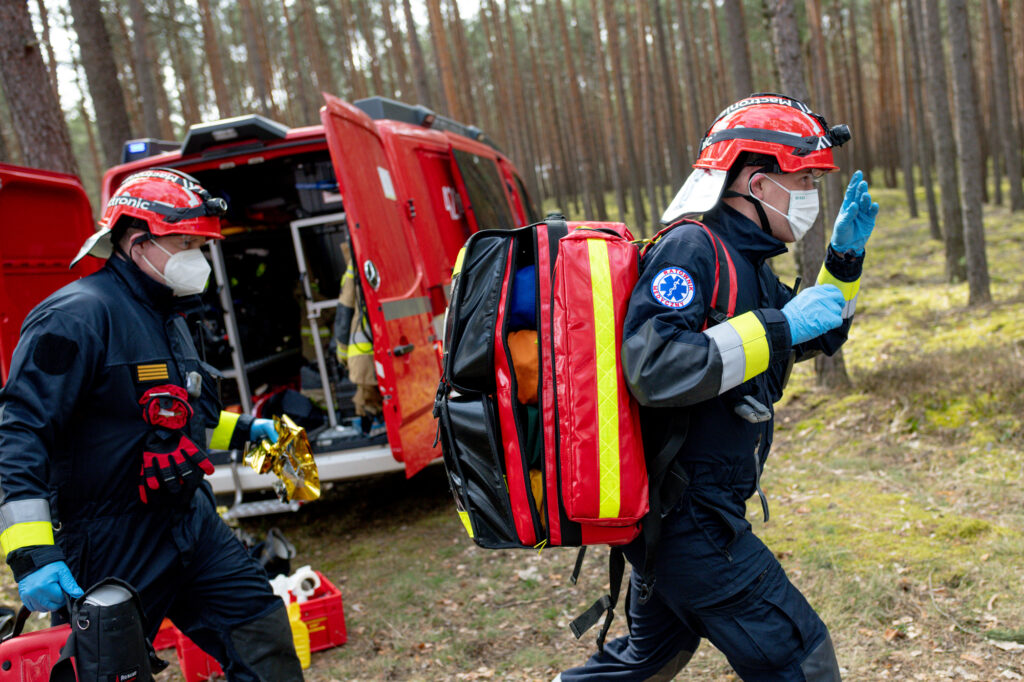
(532, 215)
(483, 187)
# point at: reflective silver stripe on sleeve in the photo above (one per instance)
(734, 358)
(22, 511)
(850, 307)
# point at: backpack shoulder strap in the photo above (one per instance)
(723, 298)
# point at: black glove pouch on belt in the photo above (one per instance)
(107, 638)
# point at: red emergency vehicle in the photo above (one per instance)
(403, 186)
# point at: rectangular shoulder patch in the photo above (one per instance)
(155, 372)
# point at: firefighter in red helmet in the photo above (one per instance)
(104, 426)
(706, 384)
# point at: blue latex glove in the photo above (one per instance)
(262, 428)
(856, 217)
(814, 311)
(43, 589)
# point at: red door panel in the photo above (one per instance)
(44, 219)
(392, 279)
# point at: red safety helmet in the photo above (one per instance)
(764, 123)
(166, 200)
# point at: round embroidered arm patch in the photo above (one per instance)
(673, 288)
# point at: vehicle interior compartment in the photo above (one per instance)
(285, 224)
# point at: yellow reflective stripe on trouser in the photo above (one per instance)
(25, 535)
(607, 373)
(221, 438)
(743, 347)
(849, 289)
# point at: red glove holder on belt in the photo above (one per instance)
(171, 462)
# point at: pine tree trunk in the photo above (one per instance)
(942, 139)
(419, 67)
(825, 103)
(182, 63)
(1001, 87)
(863, 154)
(526, 113)
(396, 52)
(907, 149)
(671, 103)
(444, 60)
(366, 29)
(38, 119)
(254, 57)
(144, 70)
(969, 153)
(315, 48)
(924, 147)
(296, 75)
(465, 70)
(633, 167)
(101, 75)
(211, 48)
(645, 105)
(831, 371)
(739, 51)
(355, 77)
(604, 104)
(51, 61)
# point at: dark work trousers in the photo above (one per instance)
(716, 580)
(187, 565)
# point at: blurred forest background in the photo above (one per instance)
(601, 104)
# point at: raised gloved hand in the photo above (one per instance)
(856, 217)
(170, 461)
(814, 311)
(262, 428)
(43, 589)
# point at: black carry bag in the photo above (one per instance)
(107, 641)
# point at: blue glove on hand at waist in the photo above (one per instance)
(43, 589)
(814, 311)
(856, 218)
(262, 428)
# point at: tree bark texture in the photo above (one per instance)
(101, 75)
(739, 50)
(38, 119)
(942, 139)
(968, 151)
(1007, 136)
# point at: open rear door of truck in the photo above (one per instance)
(392, 280)
(44, 219)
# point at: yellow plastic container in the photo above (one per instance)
(300, 633)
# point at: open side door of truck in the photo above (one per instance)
(392, 281)
(44, 219)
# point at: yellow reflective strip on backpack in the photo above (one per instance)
(458, 262)
(25, 535)
(221, 438)
(606, 373)
(464, 517)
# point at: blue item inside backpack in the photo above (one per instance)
(523, 306)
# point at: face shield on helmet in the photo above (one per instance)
(766, 124)
(166, 200)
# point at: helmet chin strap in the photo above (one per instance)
(762, 215)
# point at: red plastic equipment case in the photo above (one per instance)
(28, 657)
(323, 615)
(196, 664)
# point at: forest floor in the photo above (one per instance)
(897, 508)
